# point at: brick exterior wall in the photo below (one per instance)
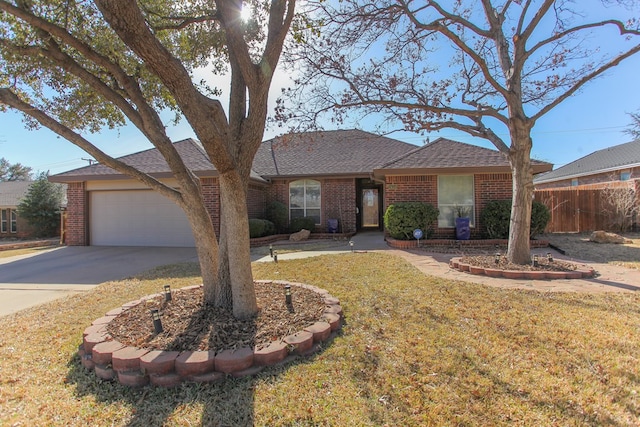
(211, 196)
(591, 179)
(424, 188)
(76, 223)
(256, 201)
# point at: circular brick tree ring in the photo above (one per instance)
(137, 367)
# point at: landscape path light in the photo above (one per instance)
(287, 294)
(167, 292)
(157, 322)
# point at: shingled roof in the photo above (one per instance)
(11, 192)
(602, 161)
(445, 155)
(337, 152)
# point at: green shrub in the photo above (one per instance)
(540, 216)
(402, 218)
(306, 223)
(260, 228)
(278, 214)
(496, 216)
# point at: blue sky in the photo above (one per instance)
(591, 120)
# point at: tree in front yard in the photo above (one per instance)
(41, 206)
(76, 67)
(489, 68)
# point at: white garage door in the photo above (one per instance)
(137, 218)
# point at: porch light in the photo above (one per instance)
(549, 257)
(157, 322)
(275, 256)
(535, 260)
(287, 294)
(167, 292)
(497, 259)
(351, 243)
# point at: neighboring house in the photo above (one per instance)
(613, 164)
(348, 175)
(11, 225)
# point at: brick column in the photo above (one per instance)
(76, 232)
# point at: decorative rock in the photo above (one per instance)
(127, 359)
(320, 331)
(271, 354)
(192, 363)
(158, 362)
(102, 352)
(229, 361)
(133, 379)
(301, 341)
(604, 237)
(300, 235)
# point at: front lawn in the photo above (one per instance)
(415, 351)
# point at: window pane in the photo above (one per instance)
(315, 214)
(296, 197)
(297, 213)
(455, 192)
(313, 197)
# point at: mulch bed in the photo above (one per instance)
(543, 264)
(189, 324)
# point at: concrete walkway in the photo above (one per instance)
(609, 278)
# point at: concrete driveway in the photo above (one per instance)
(33, 279)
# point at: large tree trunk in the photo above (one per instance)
(235, 254)
(518, 251)
(206, 244)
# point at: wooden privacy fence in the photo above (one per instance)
(580, 209)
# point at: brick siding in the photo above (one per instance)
(591, 179)
(256, 201)
(76, 223)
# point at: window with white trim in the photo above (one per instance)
(304, 199)
(455, 198)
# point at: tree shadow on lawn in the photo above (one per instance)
(229, 402)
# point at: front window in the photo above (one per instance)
(14, 222)
(3, 221)
(304, 199)
(625, 176)
(455, 199)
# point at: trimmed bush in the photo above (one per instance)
(278, 214)
(496, 216)
(260, 228)
(306, 223)
(402, 218)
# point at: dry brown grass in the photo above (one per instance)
(26, 251)
(415, 351)
(578, 246)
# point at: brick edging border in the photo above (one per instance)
(137, 367)
(579, 273)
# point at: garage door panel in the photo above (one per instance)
(137, 218)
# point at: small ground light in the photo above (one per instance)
(351, 243)
(275, 256)
(549, 257)
(271, 251)
(535, 260)
(157, 322)
(167, 292)
(497, 258)
(287, 294)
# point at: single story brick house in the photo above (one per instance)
(346, 175)
(11, 225)
(612, 164)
